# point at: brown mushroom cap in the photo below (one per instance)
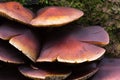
(56, 16)
(9, 54)
(83, 73)
(10, 57)
(8, 31)
(69, 50)
(39, 73)
(94, 35)
(14, 10)
(27, 43)
(109, 70)
(60, 71)
(83, 76)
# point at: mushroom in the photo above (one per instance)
(55, 16)
(21, 38)
(9, 54)
(15, 11)
(27, 43)
(84, 75)
(84, 72)
(93, 34)
(42, 74)
(72, 48)
(8, 31)
(70, 51)
(59, 71)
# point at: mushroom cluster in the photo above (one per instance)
(43, 46)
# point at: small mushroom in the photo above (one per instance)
(43, 74)
(8, 31)
(84, 72)
(94, 35)
(27, 43)
(83, 76)
(60, 71)
(55, 16)
(9, 54)
(21, 38)
(69, 50)
(15, 11)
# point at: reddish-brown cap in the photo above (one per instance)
(70, 50)
(14, 10)
(27, 43)
(8, 31)
(55, 16)
(38, 73)
(84, 72)
(9, 54)
(94, 35)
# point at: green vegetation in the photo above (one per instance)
(105, 13)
